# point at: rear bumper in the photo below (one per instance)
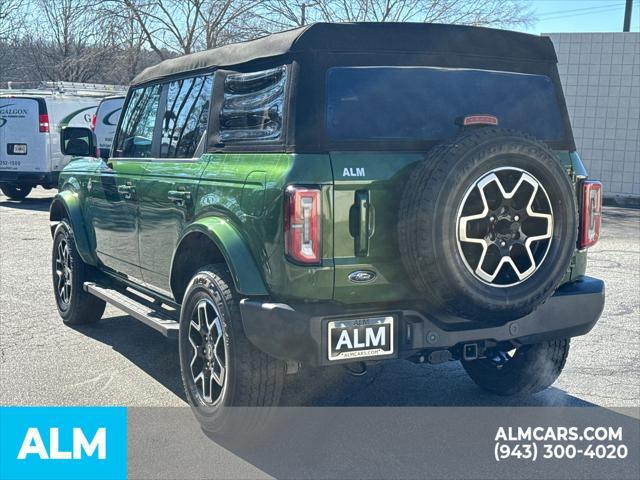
(282, 332)
(30, 178)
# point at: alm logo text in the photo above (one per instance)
(33, 445)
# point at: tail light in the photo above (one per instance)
(43, 123)
(591, 215)
(94, 119)
(302, 219)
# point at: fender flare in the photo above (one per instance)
(69, 201)
(242, 266)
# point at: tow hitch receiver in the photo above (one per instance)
(470, 351)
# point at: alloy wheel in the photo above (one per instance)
(64, 273)
(504, 227)
(208, 364)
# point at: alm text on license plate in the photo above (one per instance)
(363, 337)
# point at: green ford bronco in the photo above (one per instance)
(338, 194)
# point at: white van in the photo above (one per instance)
(105, 122)
(30, 125)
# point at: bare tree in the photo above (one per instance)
(495, 13)
(184, 26)
(66, 40)
(112, 40)
(227, 21)
(280, 14)
(126, 40)
(167, 25)
(11, 19)
(286, 14)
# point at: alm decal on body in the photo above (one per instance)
(353, 172)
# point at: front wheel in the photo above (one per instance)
(524, 370)
(16, 192)
(75, 306)
(220, 368)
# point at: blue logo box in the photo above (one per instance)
(63, 443)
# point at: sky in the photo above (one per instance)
(582, 16)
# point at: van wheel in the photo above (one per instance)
(219, 366)
(75, 306)
(525, 370)
(16, 192)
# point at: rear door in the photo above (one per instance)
(167, 190)
(23, 146)
(390, 117)
(367, 192)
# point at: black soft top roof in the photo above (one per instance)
(455, 40)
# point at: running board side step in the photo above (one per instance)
(125, 301)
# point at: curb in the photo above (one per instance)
(621, 201)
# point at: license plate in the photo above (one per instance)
(368, 337)
(18, 149)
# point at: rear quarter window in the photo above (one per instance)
(253, 106)
(423, 103)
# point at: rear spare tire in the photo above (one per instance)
(488, 224)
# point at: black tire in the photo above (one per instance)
(75, 306)
(428, 223)
(16, 192)
(252, 378)
(531, 369)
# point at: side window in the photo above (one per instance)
(186, 115)
(253, 104)
(138, 123)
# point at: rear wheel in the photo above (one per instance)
(75, 306)
(220, 367)
(16, 192)
(525, 370)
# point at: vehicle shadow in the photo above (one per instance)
(396, 383)
(144, 347)
(39, 204)
(401, 383)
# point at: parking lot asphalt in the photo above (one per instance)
(122, 362)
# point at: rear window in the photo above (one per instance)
(421, 103)
(13, 110)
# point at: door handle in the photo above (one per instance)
(362, 227)
(127, 191)
(179, 197)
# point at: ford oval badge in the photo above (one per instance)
(362, 276)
